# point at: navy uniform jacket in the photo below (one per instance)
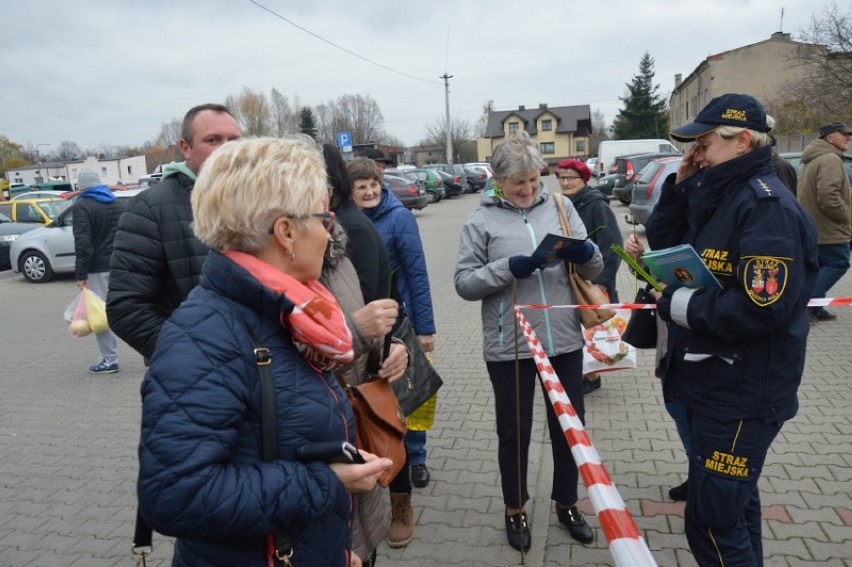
(738, 352)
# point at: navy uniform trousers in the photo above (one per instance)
(723, 503)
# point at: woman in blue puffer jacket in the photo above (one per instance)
(202, 478)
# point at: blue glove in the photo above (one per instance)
(523, 266)
(577, 252)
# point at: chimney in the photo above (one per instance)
(781, 36)
(678, 79)
(522, 107)
(542, 105)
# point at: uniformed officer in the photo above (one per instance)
(735, 354)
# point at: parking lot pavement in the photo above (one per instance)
(68, 444)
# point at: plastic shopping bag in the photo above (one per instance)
(87, 314)
(604, 348)
(76, 314)
(95, 311)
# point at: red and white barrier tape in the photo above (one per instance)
(626, 544)
(816, 302)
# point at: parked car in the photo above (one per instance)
(9, 232)
(435, 194)
(455, 184)
(795, 159)
(476, 178)
(410, 195)
(626, 169)
(454, 170)
(38, 211)
(48, 250)
(606, 183)
(545, 169)
(481, 166)
(648, 185)
(431, 178)
(41, 194)
(592, 164)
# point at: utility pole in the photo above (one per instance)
(448, 137)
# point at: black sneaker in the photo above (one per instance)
(419, 475)
(572, 519)
(678, 493)
(518, 531)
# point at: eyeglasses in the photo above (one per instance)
(327, 219)
(567, 177)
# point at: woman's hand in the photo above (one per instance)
(376, 318)
(427, 343)
(354, 560)
(361, 478)
(689, 166)
(634, 246)
(393, 367)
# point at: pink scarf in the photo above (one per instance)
(316, 323)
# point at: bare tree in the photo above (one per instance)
(252, 111)
(358, 114)
(823, 91)
(68, 151)
(169, 135)
(284, 116)
(599, 131)
(481, 123)
(460, 136)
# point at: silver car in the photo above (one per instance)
(48, 250)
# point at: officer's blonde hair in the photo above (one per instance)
(758, 139)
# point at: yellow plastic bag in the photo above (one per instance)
(95, 311)
(423, 418)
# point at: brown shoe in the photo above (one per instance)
(402, 520)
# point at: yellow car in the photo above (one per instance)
(36, 211)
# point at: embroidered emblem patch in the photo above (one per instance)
(765, 279)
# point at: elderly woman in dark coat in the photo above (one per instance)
(202, 478)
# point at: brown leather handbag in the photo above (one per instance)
(585, 292)
(379, 423)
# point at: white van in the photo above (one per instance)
(611, 149)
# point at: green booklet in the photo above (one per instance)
(680, 266)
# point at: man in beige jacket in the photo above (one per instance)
(825, 192)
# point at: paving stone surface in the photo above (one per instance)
(68, 444)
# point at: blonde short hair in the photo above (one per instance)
(758, 139)
(246, 184)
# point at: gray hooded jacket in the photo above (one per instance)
(492, 234)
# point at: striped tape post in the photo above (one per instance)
(626, 544)
(815, 302)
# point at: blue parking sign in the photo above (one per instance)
(344, 141)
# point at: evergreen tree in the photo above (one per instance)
(645, 112)
(307, 124)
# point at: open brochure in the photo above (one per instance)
(680, 266)
(547, 249)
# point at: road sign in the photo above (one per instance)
(344, 141)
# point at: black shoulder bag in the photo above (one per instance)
(280, 544)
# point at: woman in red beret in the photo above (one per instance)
(593, 207)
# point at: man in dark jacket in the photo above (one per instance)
(96, 214)
(157, 259)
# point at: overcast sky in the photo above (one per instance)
(108, 72)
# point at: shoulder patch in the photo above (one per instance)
(765, 279)
(767, 187)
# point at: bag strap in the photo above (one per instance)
(563, 222)
(281, 544)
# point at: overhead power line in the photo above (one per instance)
(340, 47)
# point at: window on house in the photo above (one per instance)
(513, 127)
(546, 125)
(129, 170)
(547, 147)
(581, 146)
(103, 171)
